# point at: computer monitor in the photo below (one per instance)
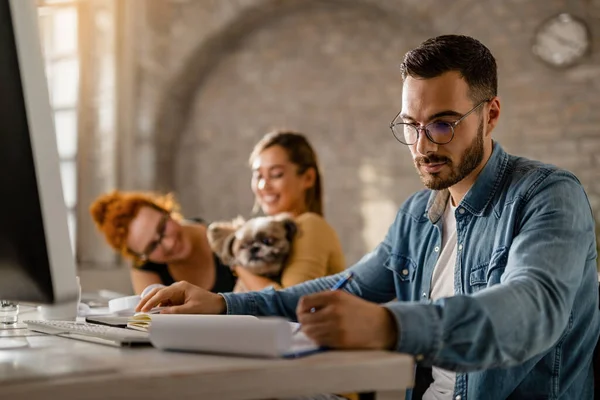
(36, 260)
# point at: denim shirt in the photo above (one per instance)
(524, 320)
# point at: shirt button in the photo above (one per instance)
(458, 397)
(436, 248)
(424, 295)
(460, 247)
(420, 357)
(461, 211)
(405, 272)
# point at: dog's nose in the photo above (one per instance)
(254, 249)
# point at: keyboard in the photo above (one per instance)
(96, 333)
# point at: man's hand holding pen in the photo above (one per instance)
(338, 319)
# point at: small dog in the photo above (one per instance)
(261, 244)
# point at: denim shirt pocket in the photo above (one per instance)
(402, 266)
(489, 273)
(404, 270)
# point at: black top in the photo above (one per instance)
(224, 278)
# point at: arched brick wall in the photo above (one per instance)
(329, 70)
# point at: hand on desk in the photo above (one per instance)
(182, 298)
(338, 319)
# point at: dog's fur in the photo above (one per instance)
(261, 244)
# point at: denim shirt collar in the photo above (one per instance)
(481, 193)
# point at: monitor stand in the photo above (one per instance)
(66, 311)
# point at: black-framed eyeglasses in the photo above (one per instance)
(161, 230)
(439, 132)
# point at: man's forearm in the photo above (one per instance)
(460, 333)
(270, 302)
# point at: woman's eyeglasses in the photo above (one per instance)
(439, 132)
(161, 230)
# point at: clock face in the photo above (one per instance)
(562, 40)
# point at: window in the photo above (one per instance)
(58, 21)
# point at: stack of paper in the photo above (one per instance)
(226, 334)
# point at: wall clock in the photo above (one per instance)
(562, 40)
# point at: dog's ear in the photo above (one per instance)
(291, 228)
(227, 254)
(221, 236)
(238, 222)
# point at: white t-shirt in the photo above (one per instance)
(442, 285)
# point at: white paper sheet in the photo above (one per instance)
(228, 334)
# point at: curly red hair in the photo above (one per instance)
(113, 212)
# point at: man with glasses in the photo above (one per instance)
(488, 277)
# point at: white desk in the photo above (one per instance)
(82, 370)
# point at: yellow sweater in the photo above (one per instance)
(316, 251)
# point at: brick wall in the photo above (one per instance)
(213, 76)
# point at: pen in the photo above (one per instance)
(339, 285)
(343, 282)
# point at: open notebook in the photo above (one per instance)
(225, 334)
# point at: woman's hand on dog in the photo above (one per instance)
(183, 298)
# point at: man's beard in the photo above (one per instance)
(471, 159)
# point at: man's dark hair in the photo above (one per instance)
(462, 54)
